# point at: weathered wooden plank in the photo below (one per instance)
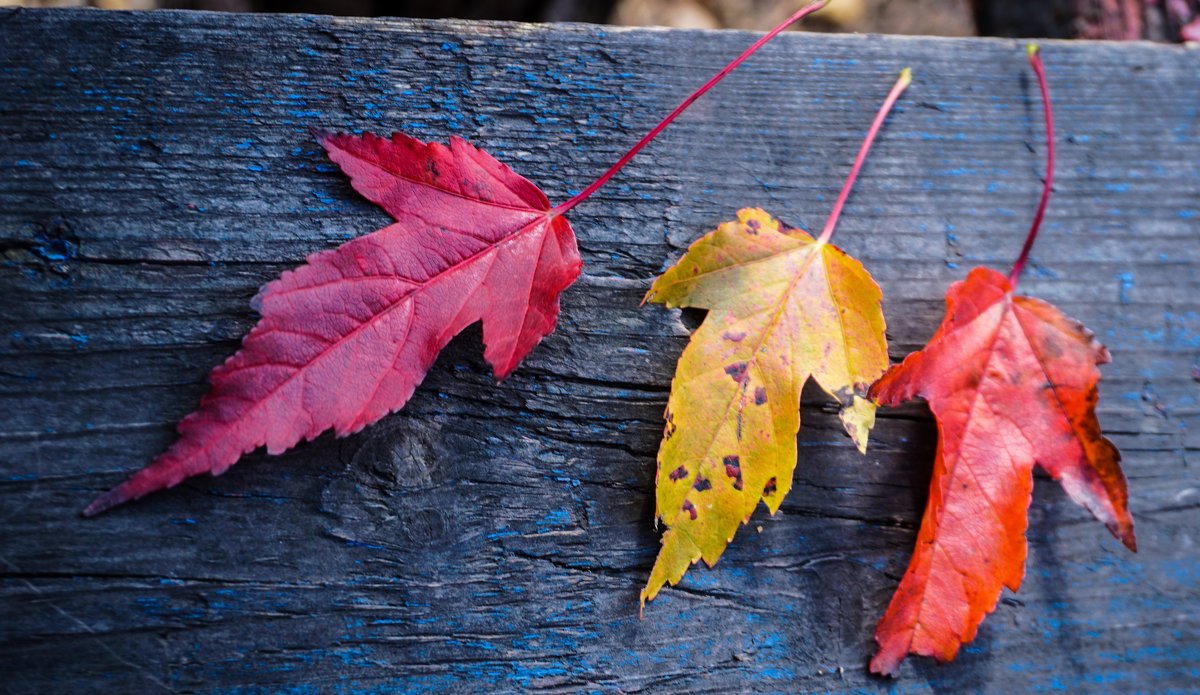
(155, 170)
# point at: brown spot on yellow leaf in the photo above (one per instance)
(689, 508)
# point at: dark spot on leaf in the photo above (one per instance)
(753, 226)
(678, 474)
(695, 270)
(690, 508)
(733, 469)
(760, 395)
(737, 371)
(1088, 428)
(735, 337)
(702, 484)
(844, 396)
(770, 488)
(1051, 349)
(669, 428)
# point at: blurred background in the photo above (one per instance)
(1157, 20)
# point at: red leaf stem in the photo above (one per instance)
(585, 193)
(904, 80)
(1035, 59)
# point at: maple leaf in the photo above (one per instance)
(782, 307)
(1011, 382)
(346, 338)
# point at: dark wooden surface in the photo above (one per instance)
(155, 170)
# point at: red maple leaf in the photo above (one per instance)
(346, 338)
(1011, 382)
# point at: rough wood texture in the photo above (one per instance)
(155, 169)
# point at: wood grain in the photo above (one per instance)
(155, 169)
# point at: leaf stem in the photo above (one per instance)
(585, 193)
(1035, 59)
(901, 83)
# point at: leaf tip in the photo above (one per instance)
(858, 417)
(647, 594)
(884, 665)
(893, 648)
(319, 134)
(108, 500)
(1124, 533)
(1032, 49)
(905, 77)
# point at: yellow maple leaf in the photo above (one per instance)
(782, 308)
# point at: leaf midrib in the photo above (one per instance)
(952, 471)
(420, 287)
(752, 362)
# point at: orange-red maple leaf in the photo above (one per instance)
(1012, 383)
